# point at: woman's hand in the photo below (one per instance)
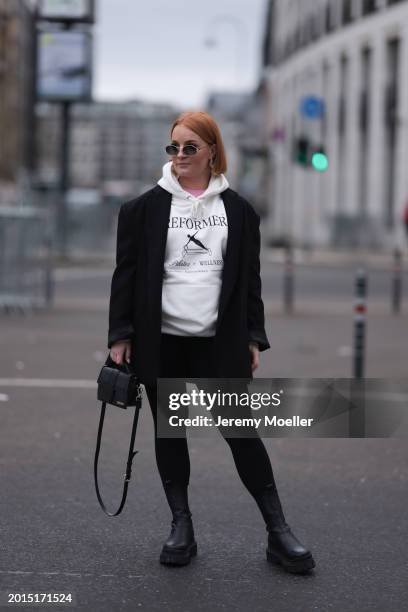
(121, 350)
(254, 356)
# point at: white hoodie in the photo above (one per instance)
(194, 258)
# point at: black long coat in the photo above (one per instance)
(136, 288)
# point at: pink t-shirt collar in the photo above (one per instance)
(194, 192)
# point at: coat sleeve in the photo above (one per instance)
(123, 279)
(256, 314)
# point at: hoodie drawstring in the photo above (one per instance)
(170, 183)
(197, 209)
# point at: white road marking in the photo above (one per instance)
(62, 274)
(344, 351)
(48, 383)
(75, 574)
(302, 390)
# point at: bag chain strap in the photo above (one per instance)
(131, 455)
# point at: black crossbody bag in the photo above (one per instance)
(117, 386)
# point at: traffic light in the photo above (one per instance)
(309, 155)
(319, 159)
(301, 150)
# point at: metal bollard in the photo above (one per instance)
(49, 288)
(359, 323)
(396, 290)
(288, 281)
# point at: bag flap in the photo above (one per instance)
(107, 376)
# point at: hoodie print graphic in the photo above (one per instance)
(198, 228)
(197, 242)
(194, 257)
(191, 251)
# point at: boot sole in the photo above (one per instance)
(298, 566)
(178, 557)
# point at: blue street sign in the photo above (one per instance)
(312, 107)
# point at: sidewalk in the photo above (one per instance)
(382, 260)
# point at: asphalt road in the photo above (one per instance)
(312, 281)
(344, 498)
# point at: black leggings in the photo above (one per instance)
(183, 357)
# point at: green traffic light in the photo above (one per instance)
(320, 161)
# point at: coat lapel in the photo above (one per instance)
(234, 214)
(157, 219)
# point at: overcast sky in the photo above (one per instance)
(154, 49)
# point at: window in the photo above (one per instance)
(329, 17)
(365, 90)
(296, 39)
(391, 90)
(344, 79)
(369, 6)
(314, 26)
(341, 114)
(346, 13)
(391, 96)
(307, 31)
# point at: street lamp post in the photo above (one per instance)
(240, 31)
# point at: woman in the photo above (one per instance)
(186, 302)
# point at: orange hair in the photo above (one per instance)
(207, 128)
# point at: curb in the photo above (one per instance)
(384, 261)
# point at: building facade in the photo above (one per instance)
(352, 55)
(115, 147)
(16, 92)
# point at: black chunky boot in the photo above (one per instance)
(180, 546)
(283, 546)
